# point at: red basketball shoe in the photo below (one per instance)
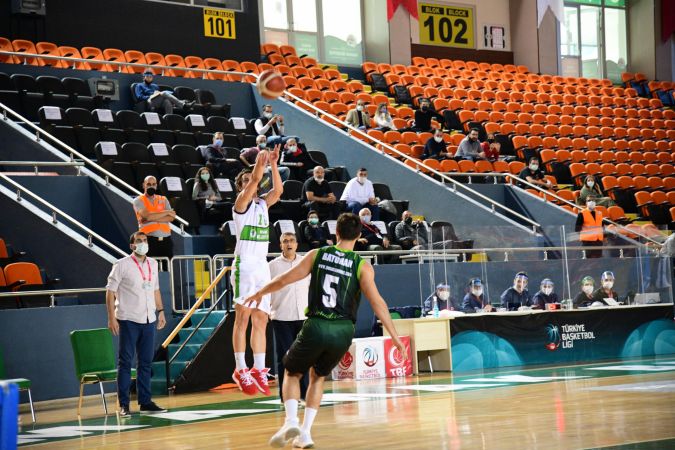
(245, 381)
(260, 377)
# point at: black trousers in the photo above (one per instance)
(160, 247)
(285, 333)
(592, 253)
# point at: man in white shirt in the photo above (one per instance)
(288, 307)
(272, 126)
(134, 304)
(359, 193)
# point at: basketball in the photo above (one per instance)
(270, 84)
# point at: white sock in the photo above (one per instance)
(310, 414)
(291, 408)
(240, 360)
(259, 361)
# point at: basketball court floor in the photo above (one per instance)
(621, 404)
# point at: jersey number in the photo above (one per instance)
(329, 298)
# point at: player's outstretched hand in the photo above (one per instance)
(253, 298)
(401, 348)
(263, 157)
(274, 154)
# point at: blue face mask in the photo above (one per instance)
(218, 142)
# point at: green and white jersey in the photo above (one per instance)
(334, 290)
(253, 231)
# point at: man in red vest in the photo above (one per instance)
(589, 227)
(154, 213)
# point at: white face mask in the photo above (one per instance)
(438, 139)
(267, 115)
(591, 205)
(443, 295)
(608, 284)
(365, 219)
(534, 166)
(547, 290)
(590, 184)
(362, 179)
(263, 144)
(588, 289)
(141, 248)
(359, 107)
(292, 148)
(318, 180)
(477, 292)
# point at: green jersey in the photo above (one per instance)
(334, 290)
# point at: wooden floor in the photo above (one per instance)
(605, 408)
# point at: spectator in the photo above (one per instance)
(592, 189)
(249, 155)
(606, 290)
(491, 148)
(585, 297)
(360, 193)
(544, 295)
(534, 175)
(272, 126)
(474, 300)
(315, 234)
(297, 158)
(318, 195)
(589, 227)
(288, 307)
(383, 119)
(469, 147)
(410, 233)
(217, 159)
(443, 300)
(423, 117)
(205, 192)
(358, 117)
(371, 237)
(149, 93)
(517, 295)
(154, 214)
(435, 147)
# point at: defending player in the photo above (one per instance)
(250, 270)
(338, 277)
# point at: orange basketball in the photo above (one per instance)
(271, 84)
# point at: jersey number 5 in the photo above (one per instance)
(329, 298)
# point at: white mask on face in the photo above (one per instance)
(141, 248)
(608, 284)
(438, 139)
(591, 205)
(534, 167)
(477, 292)
(292, 148)
(547, 290)
(590, 184)
(443, 295)
(267, 115)
(359, 107)
(588, 289)
(366, 219)
(362, 179)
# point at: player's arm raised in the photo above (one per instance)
(292, 275)
(380, 308)
(274, 194)
(246, 195)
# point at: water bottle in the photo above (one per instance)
(435, 306)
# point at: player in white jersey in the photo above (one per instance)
(250, 270)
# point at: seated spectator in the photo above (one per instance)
(592, 189)
(149, 92)
(383, 119)
(217, 160)
(517, 295)
(371, 237)
(411, 234)
(606, 289)
(469, 147)
(534, 175)
(297, 158)
(423, 117)
(585, 297)
(249, 155)
(205, 193)
(435, 147)
(544, 295)
(491, 148)
(358, 117)
(272, 126)
(474, 300)
(315, 234)
(318, 196)
(360, 193)
(443, 300)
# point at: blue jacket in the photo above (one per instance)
(512, 300)
(143, 90)
(540, 299)
(471, 303)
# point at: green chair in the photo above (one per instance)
(94, 360)
(395, 315)
(22, 383)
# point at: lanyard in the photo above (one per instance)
(141, 269)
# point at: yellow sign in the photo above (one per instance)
(219, 23)
(450, 26)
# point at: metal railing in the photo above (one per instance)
(188, 279)
(38, 164)
(91, 235)
(52, 293)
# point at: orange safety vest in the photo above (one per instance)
(591, 230)
(158, 206)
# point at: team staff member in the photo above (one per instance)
(474, 300)
(589, 227)
(154, 214)
(288, 307)
(544, 295)
(134, 304)
(517, 295)
(606, 289)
